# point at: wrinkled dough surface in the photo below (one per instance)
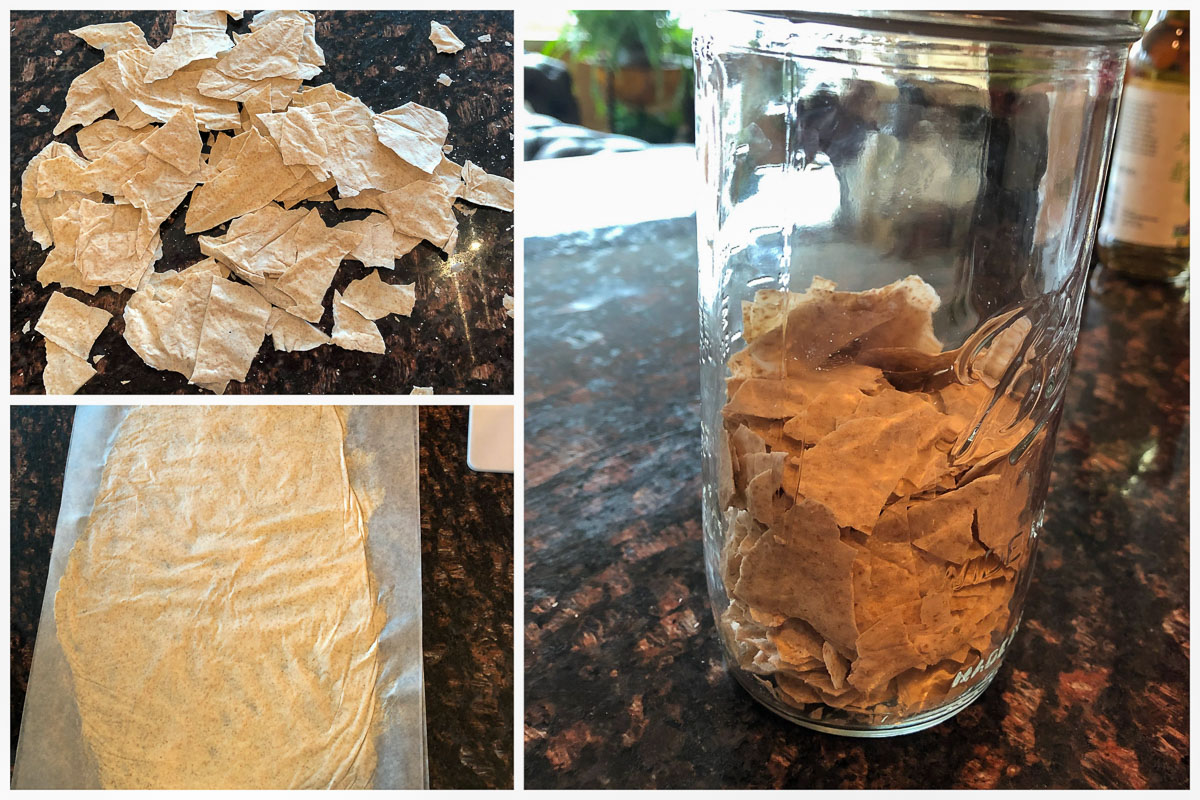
(217, 613)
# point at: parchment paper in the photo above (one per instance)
(51, 752)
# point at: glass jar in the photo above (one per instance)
(894, 243)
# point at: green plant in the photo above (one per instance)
(613, 40)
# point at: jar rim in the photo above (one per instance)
(1039, 27)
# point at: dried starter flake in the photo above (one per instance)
(353, 331)
(235, 324)
(415, 133)
(163, 98)
(483, 189)
(876, 567)
(197, 36)
(373, 298)
(443, 38)
(97, 138)
(422, 390)
(113, 37)
(255, 177)
(380, 245)
(107, 251)
(65, 372)
(164, 319)
(292, 334)
(274, 144)
(422, 210)
(282, 48)
(72, 325)
(444, 79)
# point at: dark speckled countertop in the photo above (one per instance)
(466, 571)
(458, 340)
(624, 681)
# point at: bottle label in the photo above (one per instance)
(1147, 198)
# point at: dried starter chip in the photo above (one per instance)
(292, 334)
(353, 331)
(415, 133)
(197, 36)
(286, 144)
(483, 189)
(443, 38)
(880, 564)
(373, 298)
(65, 372)
(72, 325)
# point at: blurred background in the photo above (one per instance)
(607, 81)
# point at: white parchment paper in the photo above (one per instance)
(51, 752)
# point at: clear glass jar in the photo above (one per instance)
(894, 243)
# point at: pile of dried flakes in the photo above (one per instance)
(876, 510)
(273, 145)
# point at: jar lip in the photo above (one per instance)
(1038, 27)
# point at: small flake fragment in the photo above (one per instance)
(443, 38)
(353, 331)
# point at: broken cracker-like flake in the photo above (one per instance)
(901, 560)
(65, 372)
(422, 390)
(353, 331)
(483, 189)
(422, 210)
(380, 245)
(255, 178)
(415, 133)
(292, 334)
(72, 325)
(197, 36)
(373, 298)
(443, 38)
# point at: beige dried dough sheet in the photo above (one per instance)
(113, 36)
(196, 36)
(165, 317)
(422, 210)
(353, 331)
(373, 298)
(65, 372)
(235, 324)
(415, 133)
(95, 139)
(483, 189)
(282, 48)
(443, 38)
(292, 334)
(255, 177)
(380, 245)
(380, 456)
(163, 98)
(72, 325)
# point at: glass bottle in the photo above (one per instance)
(1146, 225)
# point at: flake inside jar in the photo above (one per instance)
(875, 528)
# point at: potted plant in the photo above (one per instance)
(631, 69)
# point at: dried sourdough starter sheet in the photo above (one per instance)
(870, 554)
(380, 457)
(218, 126)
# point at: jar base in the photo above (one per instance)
(912, 724)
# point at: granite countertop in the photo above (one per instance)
(467, 580)
(459, 338)
(624, 680)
